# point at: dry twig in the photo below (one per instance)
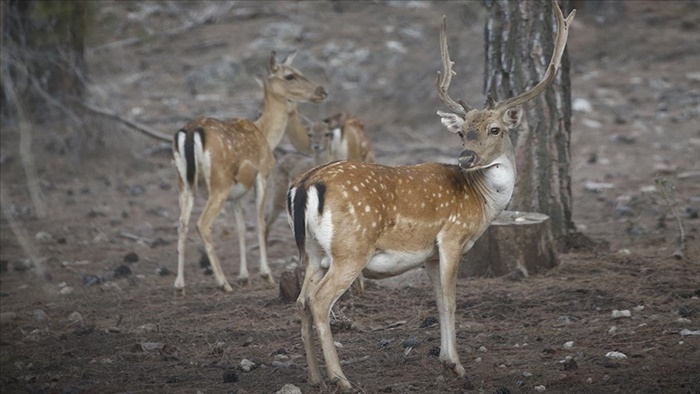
(665, 189)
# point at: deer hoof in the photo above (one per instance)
(268, 278)
(226, 288)
(243, 281)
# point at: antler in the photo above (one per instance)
(560, 43)
(443, 82)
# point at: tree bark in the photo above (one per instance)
(519, 44)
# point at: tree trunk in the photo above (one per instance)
(43, 53)
(519, 44)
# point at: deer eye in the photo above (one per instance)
(328, 134)
(495, 130)
(289, 77)
(460, 134)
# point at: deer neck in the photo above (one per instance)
(496, 183)
(273, 120)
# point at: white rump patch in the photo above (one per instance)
(319, 226)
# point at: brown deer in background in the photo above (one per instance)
(339, 137)
(356, 218)
(232, 157)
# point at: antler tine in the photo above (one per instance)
(563, 26)
(443, 80)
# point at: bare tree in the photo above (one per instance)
(43, 53)
(519, 38)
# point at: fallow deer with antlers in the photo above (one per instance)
(232, 157)
(355, 218)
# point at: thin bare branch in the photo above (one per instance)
(25, 143)
(151, 132)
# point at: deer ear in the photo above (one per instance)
(272, 66)
(289, 59)
(453, 122)
(512, 116)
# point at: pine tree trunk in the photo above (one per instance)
(519, 44)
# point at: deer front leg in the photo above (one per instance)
(443, 276)
(243, 276)
(260, 192)
(204, 224)
(186, 201)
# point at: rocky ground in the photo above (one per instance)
(94, 310)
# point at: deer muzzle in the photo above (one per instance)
(320, 94)
(467, 159)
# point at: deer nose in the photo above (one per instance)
(467, 159)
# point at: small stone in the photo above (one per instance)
(281, 357)
(683, 320)
(39, 315)
(482, 349)
(247, 365)
(540, 388)
(527, 374)
(66, 290)
(248, 341)
(410, 342)
(230, 377)
(43, 236)
(612, 330)
(568, 345)
(616, 355)
(638, 308)
(686, 332)
(621, 314)
(685, 311)
(289, 389)
(122, 271)
(428, 322)
(582, 105)
(477, 360)
(597, 187)
(6, 317)
(90, 280)
(163, 271)
(131, 258)
(75, 317)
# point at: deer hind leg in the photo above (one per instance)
(278, 197)
(312, 277)
(337, 280)
(443, 275)
(186, 199)
(260, 192)
(204, 224)
(243, 276)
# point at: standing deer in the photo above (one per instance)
(233, 156)
(355, 218)
(339, 137)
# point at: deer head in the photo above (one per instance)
(484, 132)
(323, 133)
(285, 80)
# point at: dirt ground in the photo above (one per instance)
(96, 311)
